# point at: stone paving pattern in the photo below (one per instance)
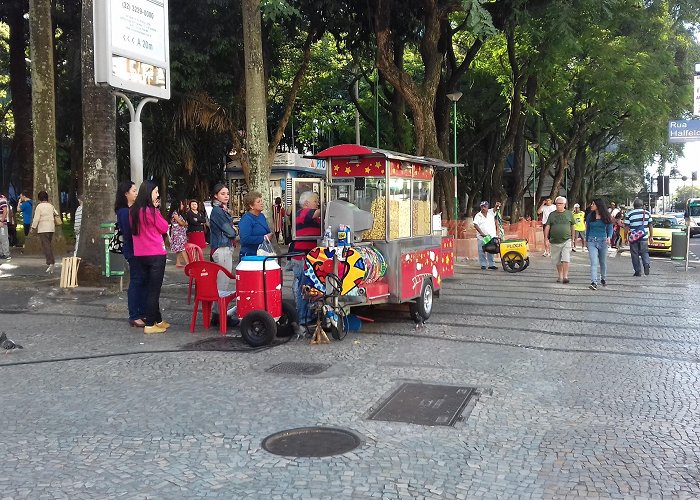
(583, 394)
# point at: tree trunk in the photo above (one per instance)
(577, 193)
(562, 165)
(99, 155)
(519, 150)
(22, 147)
(256, 102)
(44, 111)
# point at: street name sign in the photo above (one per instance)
(132, 47)
(683, 131)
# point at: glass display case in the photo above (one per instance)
(399, 208)
(421, 207)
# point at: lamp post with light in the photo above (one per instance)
(454, 97)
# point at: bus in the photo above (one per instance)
(692, 215)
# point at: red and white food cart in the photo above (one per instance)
(386, 200)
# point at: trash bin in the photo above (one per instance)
(110, 269)
(679, 244)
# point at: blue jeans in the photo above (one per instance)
(153, 267)
(485, 259)
(598, 254)
(136, 294)
(639, 250)
(302, 304)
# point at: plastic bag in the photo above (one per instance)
(266, 248)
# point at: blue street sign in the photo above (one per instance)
(683, 131)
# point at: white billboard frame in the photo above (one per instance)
(141, 23)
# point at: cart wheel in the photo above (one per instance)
(342, 330)
(424, 302)
(513, 262)
(289, 316)
(258, 328)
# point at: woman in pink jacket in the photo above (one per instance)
(147, 229)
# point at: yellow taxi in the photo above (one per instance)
(664, 227)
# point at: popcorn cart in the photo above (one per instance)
(383, 248)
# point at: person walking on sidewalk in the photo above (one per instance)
(637, 222)
(580, 227)
(43, 224)
(485, 225)
(599, 230)
(545, 209)
(147, 229)
(560, 232)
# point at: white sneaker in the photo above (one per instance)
(50, 269)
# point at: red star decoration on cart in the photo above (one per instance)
(367, 169)
(347, 170)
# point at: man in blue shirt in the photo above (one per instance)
(26, 206)
(639, 219)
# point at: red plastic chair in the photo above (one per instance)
(206, 292)
(194, 254)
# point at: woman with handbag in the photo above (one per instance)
(45, 220)
(599, 231)
(253, 225)
(223, 240)
(136, 294)
(147, 229)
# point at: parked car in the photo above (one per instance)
(664, 227)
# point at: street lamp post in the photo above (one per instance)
(454, 97)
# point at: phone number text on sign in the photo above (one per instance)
(137, 10)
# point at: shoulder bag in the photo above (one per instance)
(116, 242)
(57, 220)
(637, 234)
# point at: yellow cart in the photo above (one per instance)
(514, 256)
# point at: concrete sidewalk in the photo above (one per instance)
(582, 394)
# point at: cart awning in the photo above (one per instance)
(358, 151)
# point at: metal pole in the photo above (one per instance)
(357, 112)
(454, 119)
(376, 106)
(136, 137)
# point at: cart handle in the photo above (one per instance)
(269, 257)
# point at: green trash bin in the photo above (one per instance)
(679, 243)
(110, 269)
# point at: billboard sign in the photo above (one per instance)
(683, 131)
(131, 46)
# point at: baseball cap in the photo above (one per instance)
(576, 205)
(484, 204)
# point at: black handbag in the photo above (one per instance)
(116, 242)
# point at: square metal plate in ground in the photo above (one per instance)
(294, 368)
(424, 404)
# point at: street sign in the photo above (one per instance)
(683, 131)
(132, 47)
(696, 94)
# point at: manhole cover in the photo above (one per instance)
(311, 442)
(227, 344)
(424, 404)
(293, 368)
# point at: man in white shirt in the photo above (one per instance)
(614, 210)
(485, 225)
(545, 209)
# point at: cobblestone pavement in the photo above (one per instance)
(583, 394)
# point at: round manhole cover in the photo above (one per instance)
(311, 442)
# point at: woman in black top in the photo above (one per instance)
(195, 225)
